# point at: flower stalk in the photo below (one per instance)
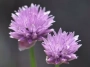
(57, 65)
(32, 58)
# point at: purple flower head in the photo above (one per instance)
(30, 24)
(60, 47)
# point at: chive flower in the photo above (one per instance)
(30, 24)
(61, 47)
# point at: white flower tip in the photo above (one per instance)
(32, 5)
(60, 29)
(10, 33)
(15, 11)
(19, 40)
(78, 40)
(38, 6)
(25, 6)
(45, 51)
(76, 37)
(44, 9)
(46, 13)
(13, 15)
(11, 37)
(46, 58)
(52, 30)
(54, 33)
(18, 13)
(53, 17)
(20, 8)
(9, 27)
(80, 45)
(54, 21)
(73, 32)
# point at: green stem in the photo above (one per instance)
(57, 65)
(32, 58)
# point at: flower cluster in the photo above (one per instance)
(30, 24)
(60, 47)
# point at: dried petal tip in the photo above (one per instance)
(30, 24)
(25, 45)
(60, 48)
